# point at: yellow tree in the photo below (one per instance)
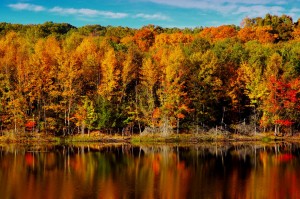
(89, 57)
(43, 89)
(273, 72)
(130, 68)
(172, 39)
(173, 99)
(69, 78)
(254, 87)
(110, 75)
(129, 85)
(109, 95)
(14, 77)
(78, 75)
(147, 90)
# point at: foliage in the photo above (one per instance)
(118, 79)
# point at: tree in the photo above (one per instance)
(129, 86)
(44, 85)
(85, 115)
(263, 34)
(282, 104)
(247, 34)
(147, 91)
(173, 99)
(14, 69)
(110, 75)
(296, 33)
(204, 87)
(144, 38)
(218, 33)
(105, 114)
(70, 87)
(279, 28)
(172, 39)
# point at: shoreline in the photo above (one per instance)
(43, 138)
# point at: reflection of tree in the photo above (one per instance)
(124, 171)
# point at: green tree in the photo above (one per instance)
(85, 115)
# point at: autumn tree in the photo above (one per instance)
(172, 39)
(282, 104)
(85, 115)
(229, 54)
(117, 78)
(130, 77)
(44, 90)
(144, 38)
(218, 33)
(147, 91)
(14, 67)
(109, 87)
(203, 78)
(110, 75)
(280, 27)
(173, 99)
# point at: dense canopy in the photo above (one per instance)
(69, 80)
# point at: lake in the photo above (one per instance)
(108, 171)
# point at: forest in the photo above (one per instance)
(67, 80)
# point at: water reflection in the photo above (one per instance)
(211, 170)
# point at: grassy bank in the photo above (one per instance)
(10, 137)
(206, 137)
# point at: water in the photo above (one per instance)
(212, 170)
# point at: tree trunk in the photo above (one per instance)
(255, 118)
(177, 127)
(276, 132)
(65, 121)
(82, 127)
(68, 116)
(136, 107)
(15, 124)
(45, 121)
(165, 127)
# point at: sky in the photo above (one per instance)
(138, 13)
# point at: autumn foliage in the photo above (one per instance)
(72, 80)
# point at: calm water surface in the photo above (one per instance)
(211, 170)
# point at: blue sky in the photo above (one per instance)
(137, 13)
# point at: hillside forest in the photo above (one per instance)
(65, 80)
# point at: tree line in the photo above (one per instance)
(72, 80)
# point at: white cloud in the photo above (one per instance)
(295, 10)
(82, 12)
(152, 17)
(27, 6)
(199, 3)
(294, 13)
(115, 15)
(259, 10)
(64, 11)
(203, 4)
(221, 6)
(87, 12)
